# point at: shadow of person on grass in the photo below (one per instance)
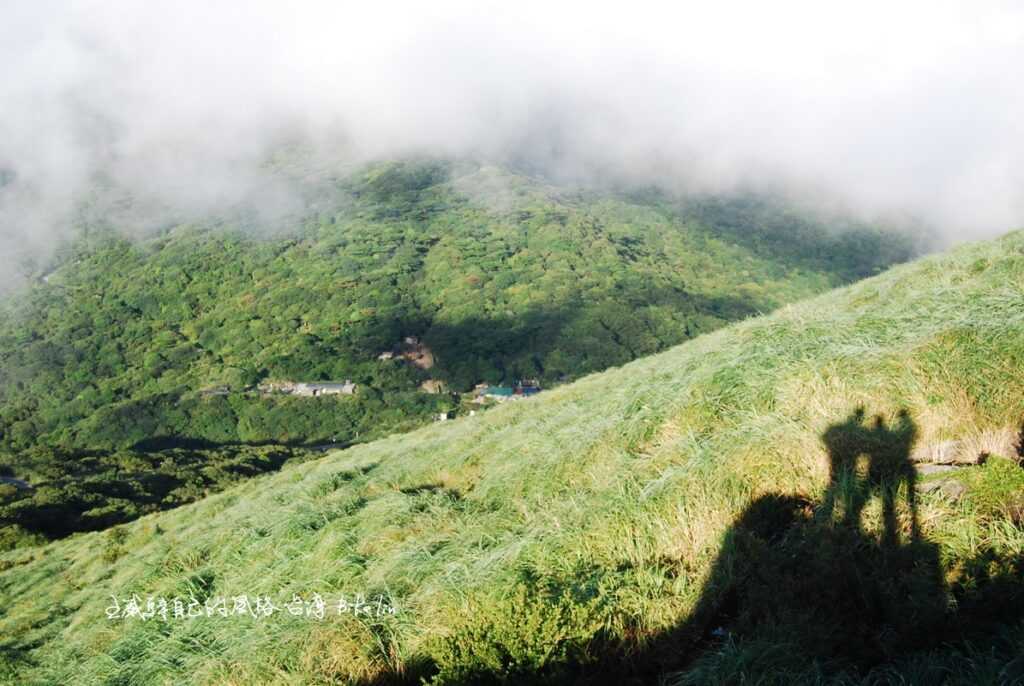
(885, 451)
(834, 581)
(840, 584)
(817, 577)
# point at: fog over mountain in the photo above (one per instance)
(913, 108)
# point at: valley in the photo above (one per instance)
(394, 281)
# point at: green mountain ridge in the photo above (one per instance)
(107, 363)
(740, 508)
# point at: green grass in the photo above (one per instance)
(555, 538)
(111, 357)
(502, 276)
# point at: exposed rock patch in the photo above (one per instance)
(974, 450)
(432, 386)
(929, 469)
(950, 488)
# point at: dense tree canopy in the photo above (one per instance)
(501, 276)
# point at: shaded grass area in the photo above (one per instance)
(90, 491)
(691, 517)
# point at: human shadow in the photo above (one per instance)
(832, 581)
(850, 587)
(840, 584)
(886, 451)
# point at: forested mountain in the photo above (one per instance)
(831, 493)
(135, 345)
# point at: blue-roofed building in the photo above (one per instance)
(521, 389)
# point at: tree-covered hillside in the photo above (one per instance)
(163, 342)
(830, 494)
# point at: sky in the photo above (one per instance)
(910, 107)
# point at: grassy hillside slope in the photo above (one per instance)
(133, 348)
(676, 516)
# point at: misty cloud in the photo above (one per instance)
(912, 107)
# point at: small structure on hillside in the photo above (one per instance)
(520, 389)
(333, 388)
(499, 392)
(310, 389)
(526, 387)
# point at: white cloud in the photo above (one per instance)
(911, 106)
